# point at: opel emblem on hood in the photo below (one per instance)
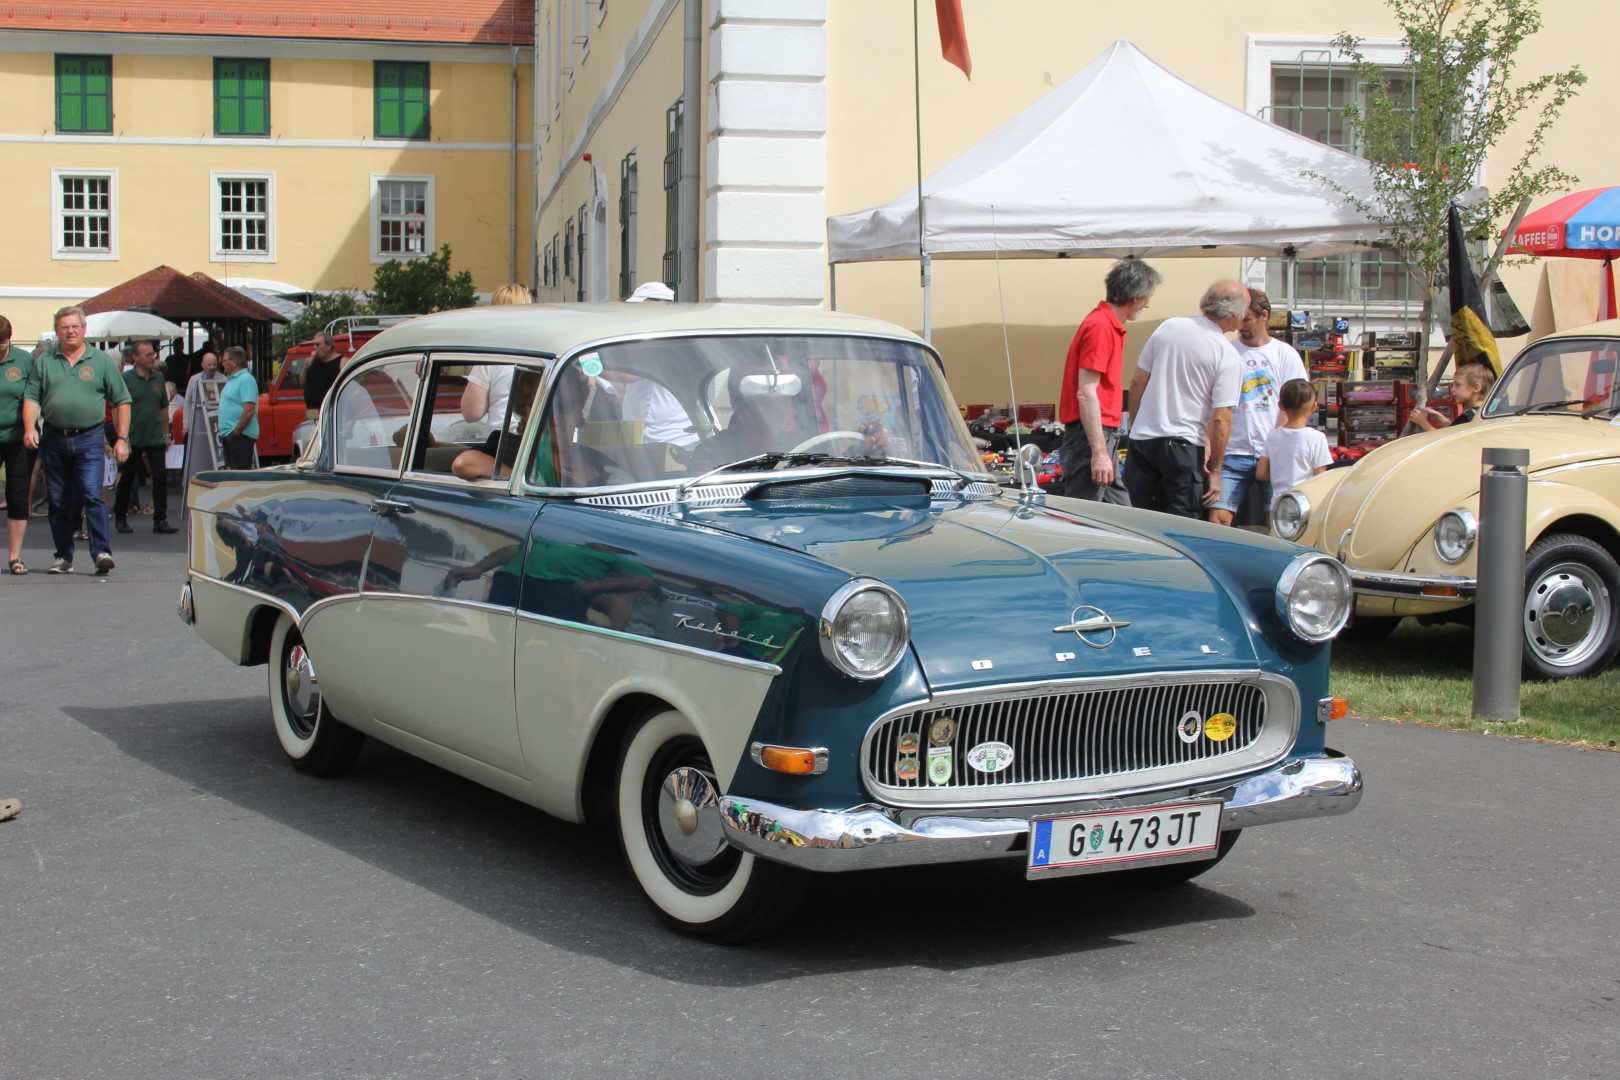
(1092, 622)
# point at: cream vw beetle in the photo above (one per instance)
(735, 579)
(1404, 518)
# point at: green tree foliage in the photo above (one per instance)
(418, 286)
(321, 310)
(1428, 129)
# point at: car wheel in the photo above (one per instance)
(1570, 589)
(317, 742)
(673, 839)
(1164, 877)
(1370, 628)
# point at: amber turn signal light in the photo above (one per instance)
(1341, 709)
(794, 760)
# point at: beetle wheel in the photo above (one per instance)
(669, 808)
(1570, 587)
(317, 742)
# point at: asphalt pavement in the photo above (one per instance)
(178, 902)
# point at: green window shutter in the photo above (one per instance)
(227, 97)
(401, 100)
(256, 97)
(242, 97)
(84, 93)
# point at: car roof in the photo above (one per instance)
(557, 328)
(1606, 328)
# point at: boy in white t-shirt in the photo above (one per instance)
(1295, 451)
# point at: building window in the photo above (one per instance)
(556, 281)
(84, 94)
(242, 220)
(674, 119)
(86, 214)
(584, 273)
(546, 280)
(241, 97)
(1307, 95)
(401, 100)
(627, 225)
(568, 249)
(401, 217)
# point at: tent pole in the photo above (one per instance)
(832, 286)
(928, 301)
(922, 251)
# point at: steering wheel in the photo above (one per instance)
(824, 437)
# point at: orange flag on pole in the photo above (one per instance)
(953, 35)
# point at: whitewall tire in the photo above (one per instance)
(316, 741)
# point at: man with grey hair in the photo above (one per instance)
(1182, 396)
(70, 389)
(1090, 403)
(320, 372)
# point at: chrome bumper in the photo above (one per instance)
(1441, 588)
(869, 836)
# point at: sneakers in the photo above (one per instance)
(104, 563)
(123, 526)
(161, 526)
(80, 534)
(61, 566)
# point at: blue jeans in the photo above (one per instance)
(74, 466)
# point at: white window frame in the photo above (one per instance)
(59, 215)
(429, 233)
(220, 254)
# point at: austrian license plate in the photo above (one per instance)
(1111, 839)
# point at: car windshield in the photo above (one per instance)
(1568, 375)
(679, 409)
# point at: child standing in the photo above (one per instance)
(1295, 451)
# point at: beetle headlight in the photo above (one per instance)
(1314, 597)
(864, 629)
(1290, 515)
(1454, 535)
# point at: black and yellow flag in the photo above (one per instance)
(1471, 340)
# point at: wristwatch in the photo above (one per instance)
(120, 438)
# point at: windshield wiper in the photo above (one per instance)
(1547, 406)
(769, 459)
(964, 478)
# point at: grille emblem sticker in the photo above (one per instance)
(990, 757)
(939, 764)
(1190, 727)
(1220, 727)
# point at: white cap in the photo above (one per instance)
(652, 290)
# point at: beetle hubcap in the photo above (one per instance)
(689, 816)
(1565, 611)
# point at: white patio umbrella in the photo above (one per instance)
(129, 325)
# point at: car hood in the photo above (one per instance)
(1392, 496)
(987, 583)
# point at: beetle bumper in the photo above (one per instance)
(869, 836)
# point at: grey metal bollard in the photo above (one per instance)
(1504, 489)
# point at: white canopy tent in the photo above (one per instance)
(1124, 158)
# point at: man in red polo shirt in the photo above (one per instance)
(1090, 402)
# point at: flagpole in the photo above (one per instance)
(916, 88)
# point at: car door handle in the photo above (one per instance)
(392, 506)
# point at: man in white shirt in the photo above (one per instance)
(1181, 399)
(1266, 364)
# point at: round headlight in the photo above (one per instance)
(1314, 596)
(864, 629)
(1290, 515)
(1454, 535)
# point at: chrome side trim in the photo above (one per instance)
(274, 601)
(1410, 586)
(655, 643)
(867, 836)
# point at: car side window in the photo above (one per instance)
(371, 416)
(292, 373)
(463, 440)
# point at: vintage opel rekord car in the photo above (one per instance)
(735, 578)
(1404, 519)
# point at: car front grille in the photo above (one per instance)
(1085, 738)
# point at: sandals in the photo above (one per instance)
(16, 566)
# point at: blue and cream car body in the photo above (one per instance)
(849, 649)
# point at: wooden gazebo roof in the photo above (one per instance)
(181, 298)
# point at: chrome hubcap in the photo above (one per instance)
(1566, 611)
(689, 816)
(303, 689)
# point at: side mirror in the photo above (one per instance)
(1027, 467)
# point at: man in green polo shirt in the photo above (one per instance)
(148, 438)
(71, 389)
(15, 365)
(238, 408)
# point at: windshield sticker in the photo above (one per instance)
(591, 364)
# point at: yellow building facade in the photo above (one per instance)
(258, 156)
(807, 109)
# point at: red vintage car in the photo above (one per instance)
(281, 406)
